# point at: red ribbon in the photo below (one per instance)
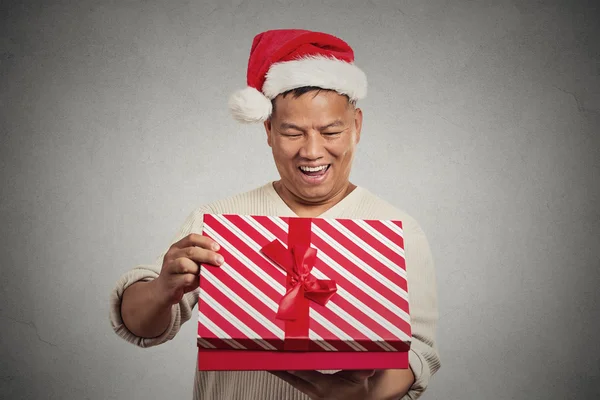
(298, 260)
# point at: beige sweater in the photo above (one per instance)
(424, 357)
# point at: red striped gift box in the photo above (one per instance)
(303, 293)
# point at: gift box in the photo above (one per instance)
(303, 293)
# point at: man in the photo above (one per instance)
(303, 86)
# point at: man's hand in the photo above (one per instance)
(146, 306)
(350, 385)
(347, 385)
(181, 266)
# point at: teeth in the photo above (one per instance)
(313, 169)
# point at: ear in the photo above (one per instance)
(267, 125)
(358, 120)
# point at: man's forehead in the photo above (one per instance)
(313, 92)
(286, 124)
(320, 99)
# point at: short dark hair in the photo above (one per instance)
(297, 92)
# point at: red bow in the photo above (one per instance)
(298, 260)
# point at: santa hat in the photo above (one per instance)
(285, 59)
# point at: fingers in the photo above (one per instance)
(183, 265)
(313, 377)
(297, 382)
(355, 376)
(190, 282)
(195, 239)
(318, 385)
(171, 286)
(198, 248)
(198, 255)
(352, 376)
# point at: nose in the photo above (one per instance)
(313, 146)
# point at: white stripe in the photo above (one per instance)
(261, 228)
(316, 338)
(360, 327)
(360, 243)
(230, 342)
(233, 320)
(379, 236)
(365, 288)
(205, 344)
(334, 329)
(349, 297)
(268, 279)
(367, 311)
(360, 284)
(218, 332)
(274, 329)
(395, 228)
(259, 294)
(265, 276)
(270, 236)
(363, 265)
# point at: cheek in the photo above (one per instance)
(284, 152)
(344, 153)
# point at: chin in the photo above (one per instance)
(311, 190)
(316, 192)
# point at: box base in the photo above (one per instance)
(236, 360)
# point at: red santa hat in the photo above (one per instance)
(285, 59)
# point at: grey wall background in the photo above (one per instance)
(482, 121)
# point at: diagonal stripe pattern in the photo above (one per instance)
(238, 301)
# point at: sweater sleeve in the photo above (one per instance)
(180, 312)
(422, 287)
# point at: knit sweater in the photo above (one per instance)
(240, 385)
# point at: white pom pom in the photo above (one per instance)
(249, 105)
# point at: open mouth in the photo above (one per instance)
(314, 171)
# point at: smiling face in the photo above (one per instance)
(313, 139)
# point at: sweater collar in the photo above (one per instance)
(337, 211)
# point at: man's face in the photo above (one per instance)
(313, 138)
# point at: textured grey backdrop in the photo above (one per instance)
(482, 121)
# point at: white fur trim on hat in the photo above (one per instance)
(249, 105)
(325, 72)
